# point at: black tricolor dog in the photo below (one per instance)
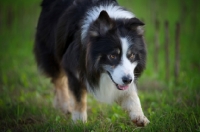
(93, 46)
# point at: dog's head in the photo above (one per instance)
(115, 46)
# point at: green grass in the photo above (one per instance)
(26, 96)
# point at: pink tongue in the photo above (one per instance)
(123, 87)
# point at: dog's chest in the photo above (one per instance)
(107, 91)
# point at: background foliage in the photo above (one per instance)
(26, 96)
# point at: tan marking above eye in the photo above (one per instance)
(129, 52)
(118, 51)
(94, 33)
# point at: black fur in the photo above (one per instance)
(59, 46)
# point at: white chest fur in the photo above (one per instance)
(107, 92)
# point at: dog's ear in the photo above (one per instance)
(102, 25)
(135, 24)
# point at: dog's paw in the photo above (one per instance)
(79, 116)
(140, 121)
(62, 105)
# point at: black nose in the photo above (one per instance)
(127, 79)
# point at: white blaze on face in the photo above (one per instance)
(125, 68)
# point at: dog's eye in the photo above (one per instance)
(132, 56)
(112, 57)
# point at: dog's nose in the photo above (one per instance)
(127, 79)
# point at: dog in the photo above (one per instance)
(91, 46)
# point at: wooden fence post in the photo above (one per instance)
(1, 18)
(156, 48)
(167, 51)
(177, 53)
(10, 17)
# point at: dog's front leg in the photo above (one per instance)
(131, 103)
(79, 111)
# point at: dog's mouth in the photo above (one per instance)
(122, 87)
(119, 87)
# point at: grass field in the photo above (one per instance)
(26, 96)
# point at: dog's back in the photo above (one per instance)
(56, 31)
(44, 47)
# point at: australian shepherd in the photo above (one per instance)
(91, 46)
